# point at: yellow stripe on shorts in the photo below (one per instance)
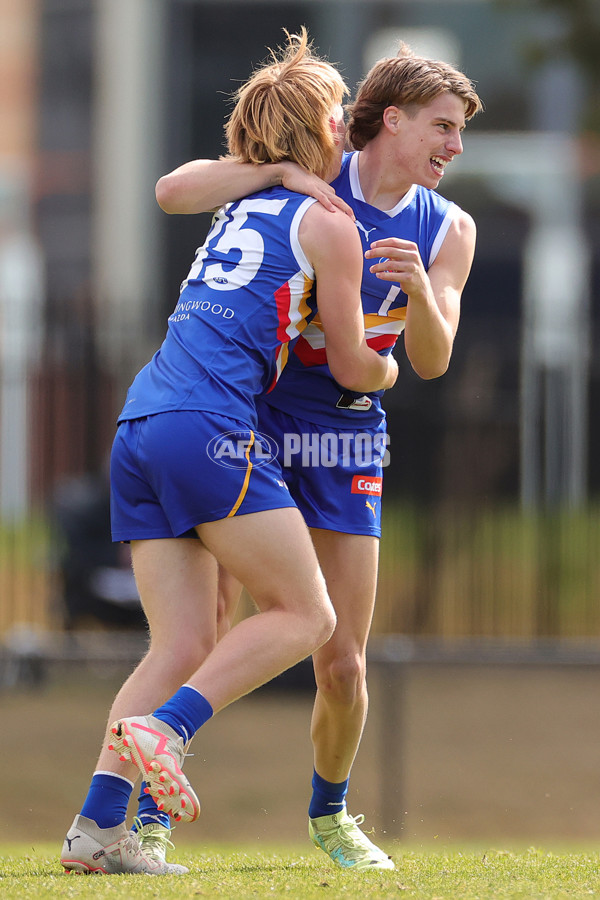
(244, 489)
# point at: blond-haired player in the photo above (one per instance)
(246, 298)
(406, 127)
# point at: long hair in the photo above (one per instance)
(408, 82)
(281, 112)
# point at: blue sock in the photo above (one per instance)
(148, 812)
(107, 799)
(327, 798)
(185, 712)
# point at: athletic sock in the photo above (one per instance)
(186, 711)
(107, 799)
(328, 798)
(148, 812)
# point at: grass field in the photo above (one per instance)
(237, 873)
(495, 761)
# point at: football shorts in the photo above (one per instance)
(335, 475)
(174, 470)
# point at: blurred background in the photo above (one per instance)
(489, 560)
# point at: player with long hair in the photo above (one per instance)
(405, 127)
(246, 299)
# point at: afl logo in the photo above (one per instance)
(238, 449)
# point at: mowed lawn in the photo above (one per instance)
(498, 795)
(238, 873)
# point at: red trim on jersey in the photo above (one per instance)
(317, 356)
(381, 341)
(283, 298)
(310, 356)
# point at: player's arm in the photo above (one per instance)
(333, 246)
(203, 185)
(433, 309)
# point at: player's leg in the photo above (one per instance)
(341, 504)
(153, 826)
(272, 554)
(177, 583)
(187, 637)
(228, 598)
(349, 563)
(253, 528)
(172, 575)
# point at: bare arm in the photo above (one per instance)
(333, 246)
(203, 185)
(433, 309)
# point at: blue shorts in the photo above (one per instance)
(335, 475)
(175, 470)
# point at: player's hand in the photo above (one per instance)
(297, 179)
(398, 260)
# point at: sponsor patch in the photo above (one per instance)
(372, 485)
(349, 401)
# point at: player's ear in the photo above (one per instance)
(392, 117)
(337, 125)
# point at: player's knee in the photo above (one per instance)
(182, 656)
(342, 678)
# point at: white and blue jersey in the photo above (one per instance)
(246, 298)
(186, 450)
(307, 388)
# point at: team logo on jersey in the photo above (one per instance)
(238, 449)
(348, 401)
(367, 484)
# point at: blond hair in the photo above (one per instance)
(408, 82)
(282, 111)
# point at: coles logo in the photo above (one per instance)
(367, 485)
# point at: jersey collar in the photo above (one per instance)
(357, 193)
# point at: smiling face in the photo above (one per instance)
(422, 140)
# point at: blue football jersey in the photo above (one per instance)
(307, 388)
(246, 298)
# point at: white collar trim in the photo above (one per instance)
(358, 194)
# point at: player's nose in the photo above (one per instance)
(455, 144)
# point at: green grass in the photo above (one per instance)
(223, 872)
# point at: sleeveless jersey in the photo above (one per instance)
(307, 388)
(246, 298)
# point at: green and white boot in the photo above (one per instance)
(342, 840)
(155, 840)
